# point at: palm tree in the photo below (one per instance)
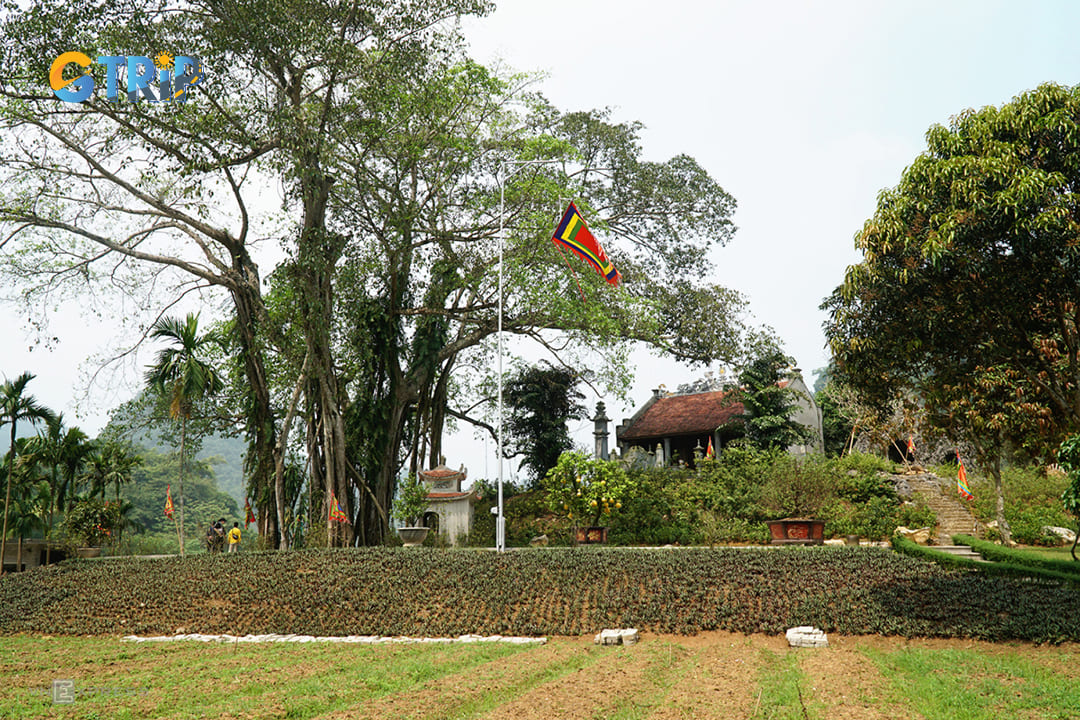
(184, 377)
(63, 452)
(16, 405)
(28, 509)
(111, 463)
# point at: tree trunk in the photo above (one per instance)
(999, 505)
(180, 505)
(7, 495)
(263, 449)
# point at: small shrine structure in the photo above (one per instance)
(450, 509)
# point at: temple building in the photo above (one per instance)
(672, 427)
(450, 509)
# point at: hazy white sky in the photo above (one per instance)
(802, 111)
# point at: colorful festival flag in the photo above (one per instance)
(168, 502)
(709, 452)
(961, 480)
(336, 513)
(574, 234)
(249, 515)
(910, 445)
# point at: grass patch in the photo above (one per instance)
(781, 696)
(977, 685)
(189, 680)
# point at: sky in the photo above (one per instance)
(803, 112)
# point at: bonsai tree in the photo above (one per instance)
(581, 487)
(411, 501)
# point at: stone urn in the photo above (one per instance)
(412, 536)
(797, 531)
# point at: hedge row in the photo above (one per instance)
(998, 566)
(420, 592)
(999, 553)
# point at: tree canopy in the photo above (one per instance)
(969, 291)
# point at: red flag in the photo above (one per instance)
(249, 516)
(910, 445)
(961, 480)
(574, 234)
(336, 513)
(709, 452)
(168, 502)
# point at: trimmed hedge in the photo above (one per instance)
(999, 553)
(421, 592)
(1000, 569)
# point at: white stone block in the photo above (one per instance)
(806, 636)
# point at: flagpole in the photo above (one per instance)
(500, 520)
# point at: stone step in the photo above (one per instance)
(963, 551)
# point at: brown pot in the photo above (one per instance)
(797, 531)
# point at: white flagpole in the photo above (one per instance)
(500, 520)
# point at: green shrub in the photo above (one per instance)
(1027, 525)
(1032, 500)
(573, 591)
(864, 464)
(916, 515)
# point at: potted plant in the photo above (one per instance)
(795, 493)
(586, 490)
(90, 523)
(409, 507)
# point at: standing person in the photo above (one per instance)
(234, 537)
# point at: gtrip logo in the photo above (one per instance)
(173, 76)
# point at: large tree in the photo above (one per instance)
(134, 197)
(768, 402)
(969, 289)
(61, 453)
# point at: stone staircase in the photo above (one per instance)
(939, 494)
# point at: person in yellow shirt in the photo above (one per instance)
(234, 537)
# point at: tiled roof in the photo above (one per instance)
(441, 473)
(448, 495)
(696, 414)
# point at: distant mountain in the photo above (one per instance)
(136, 420)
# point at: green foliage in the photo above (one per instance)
(865, 464)
(1034, 501)
(975, 249)
(767, 417)
(92, 522)
(180, 371)
(565, 591)
(992, 569)
(411, 501)
(728, 500)
(1069, 459)
(585, 489)
(204, 502)
(540, 399)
